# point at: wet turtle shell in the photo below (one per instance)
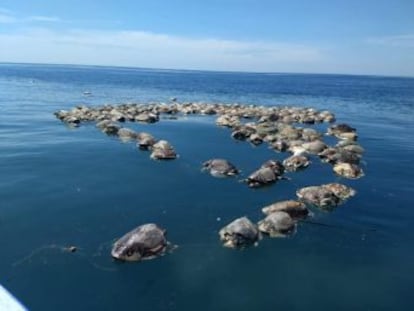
(348, 170)
(263, 176)
(144, 242)
(314, 147)
(318, 196)
(275, 165)
(296, 162)
(145, 141)
(340, 128)
(343, 192)
(163, 150)
(220, 168)
(126, 134)
(277, 224)
(295, 209)
(239, 233)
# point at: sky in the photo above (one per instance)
(313, 36)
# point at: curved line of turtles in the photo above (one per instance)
(274, 125)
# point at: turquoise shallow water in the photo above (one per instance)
(62, 186)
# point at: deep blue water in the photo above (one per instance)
(62, 186)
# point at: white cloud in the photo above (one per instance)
(405, 40)
(145, 49)
(8, 17)
(39, 18)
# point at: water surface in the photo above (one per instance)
(62, 186)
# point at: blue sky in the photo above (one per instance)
(357, 37)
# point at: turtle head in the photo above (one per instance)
(126, 251)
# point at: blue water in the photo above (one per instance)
(61, 186)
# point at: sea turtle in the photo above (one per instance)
(279, 145)
(144, 242)
(343, 192)
(239, 233)
(348, 170)
(145, 141)
(296, 162)
(295, 209)
(126, 134)
(319, 196)
(111, 129)
(163, 150)
(340, 128)
(228, 120)
(255, 139)
(277, 224)
(220, 168)
(263, 176)
(314, 147)
(275, 165)
(338, 154)
(146, 117)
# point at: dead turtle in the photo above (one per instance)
(296, 162)
(263, 176)
(338, 154)
(144, 242)
(341, 128)
(277, 224)
(163, 150)
(126, 134)
(295, 209)
(314, 147)
(220, 168)
(348, 170)
(319, 196)
(343, 192)
(145, 141)
(239, 233)
(275, 165)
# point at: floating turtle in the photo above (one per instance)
(239, 234)
(314, 147)
(146, 117)
(111, 129)
(145, 141)
(263, 176)
(144, 242)
(295, 209)
(126, 134)
(220, 168)
(348, 170)
(338, 154)
(340, 128)
(341, 191)
(277, 224)
(318, 196)
(163, 150)
(296, 162)
(255, 139)
(275, 165)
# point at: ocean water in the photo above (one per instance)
(61, 186)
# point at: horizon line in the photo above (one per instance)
(209, 70)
